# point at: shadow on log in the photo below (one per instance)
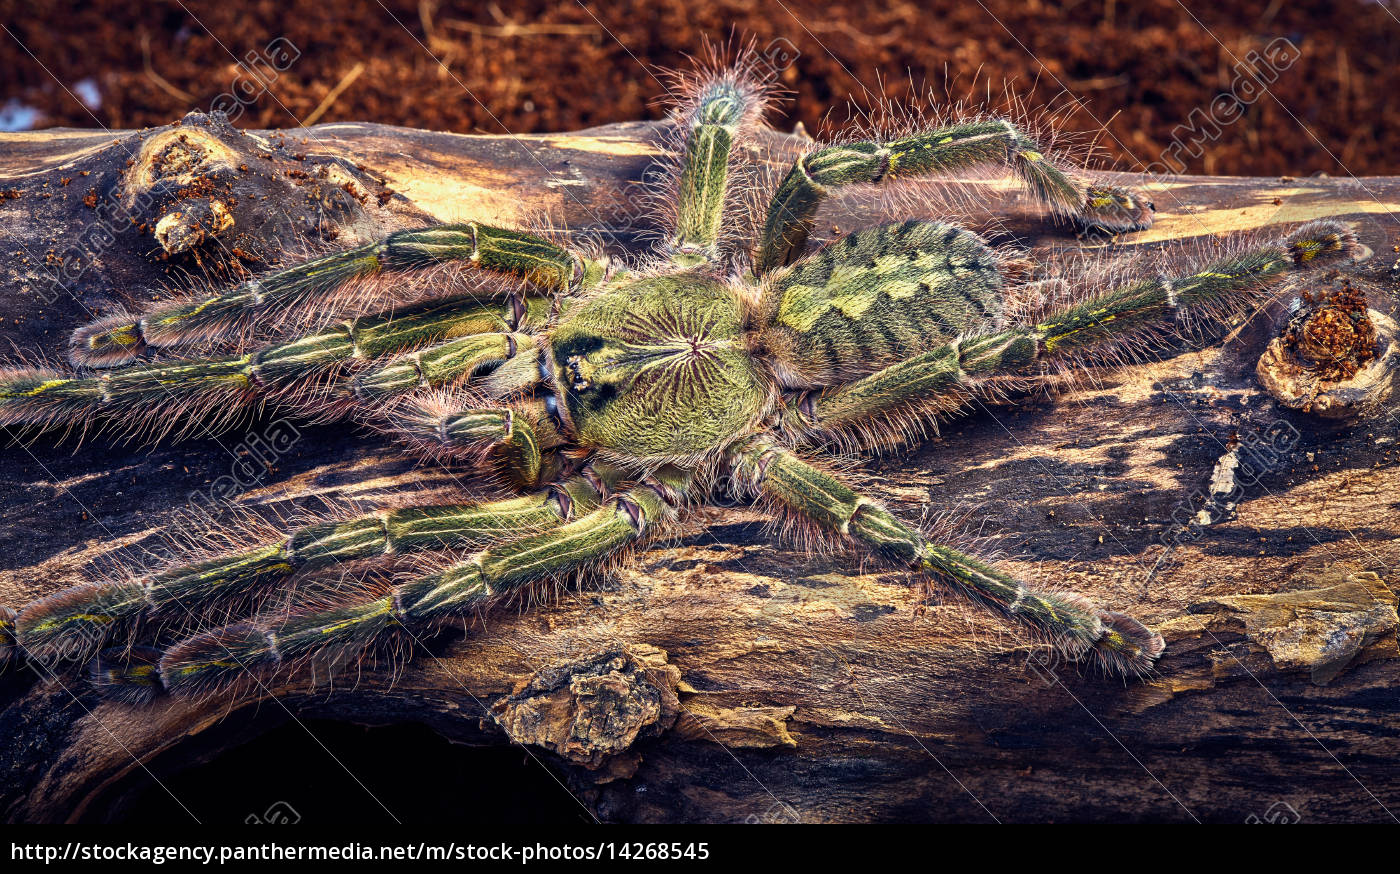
(723, 677)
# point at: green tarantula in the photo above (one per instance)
(614, 399)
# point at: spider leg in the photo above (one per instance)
(72, 624)
(720, 109)
(1074, 624)
(8, 646)
(439, 365)
(1104, 329)
(180, 394)
(107, 342)
(343, 632)
(960, 147)
(519, 432)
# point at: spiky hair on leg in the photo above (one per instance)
(210, 388)
(249, 570)
(203, 570)
(1322, 243)
(943, 148)
(955, 527)
(1126, 647)
(958, 527)
(138, 404)
(318, 638)
(72, 624)
(408, 266)
(787, 525)
(1100, 314)
(898, 426)
(506, 441)
(349, 624)
(715, 107)
(1078, 626)
(729, 81)
(323, 376)
(1097, 315)
(196, 572)
(109, 341)
(297, 590)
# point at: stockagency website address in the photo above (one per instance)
(523, 853)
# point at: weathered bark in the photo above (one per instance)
(728, 676)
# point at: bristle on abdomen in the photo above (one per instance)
(877, 297)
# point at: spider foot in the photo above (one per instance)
(130, 675)
(1115, 210)
(1321, 242)
(1127, 647)
(8, 646)
(107, 342)
(216, 660)
(72, 624)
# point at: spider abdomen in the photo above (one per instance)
(877, 297)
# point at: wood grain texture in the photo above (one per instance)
(760, 684)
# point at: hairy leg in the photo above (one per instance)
(1074, 624)
(717, 112)
(178, 395)
(519, 433)
(439, 365)
(1103, 329)
(960, 147)
(108, 342)
(71, 625)
(341, 633)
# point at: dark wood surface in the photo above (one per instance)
(757, 683)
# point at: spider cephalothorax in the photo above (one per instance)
(615, 398)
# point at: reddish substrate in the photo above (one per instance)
(1141, 66)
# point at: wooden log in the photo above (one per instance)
(725, 677)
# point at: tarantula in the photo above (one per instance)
(615, 398)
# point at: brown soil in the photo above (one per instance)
(1141, 66)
